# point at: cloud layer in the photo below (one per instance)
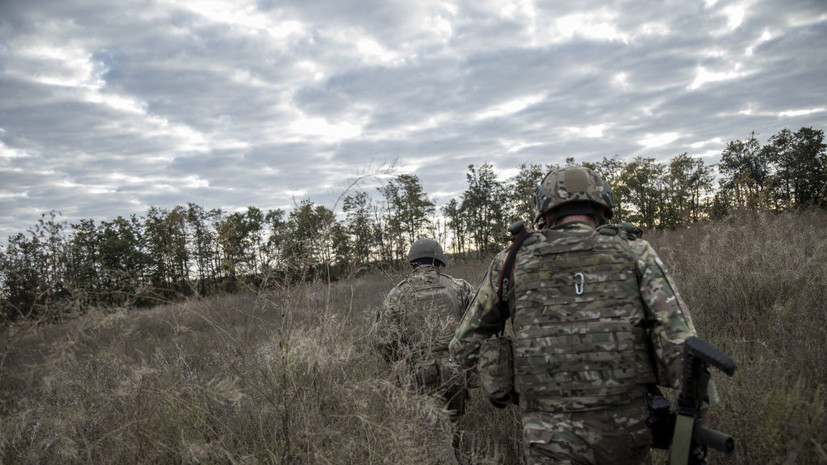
(108, 108)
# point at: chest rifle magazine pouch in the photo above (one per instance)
(496, 370)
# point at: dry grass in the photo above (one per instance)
(757, 286)
(289, 376)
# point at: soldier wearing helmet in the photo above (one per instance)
(597, 324)
(573, 191)
(416, 322)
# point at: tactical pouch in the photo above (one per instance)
(419, 376)
(428, 374)
(496, 370)
(661, 421)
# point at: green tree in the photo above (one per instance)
(520, 191)
(123, 261)
(238, 255)
(254, 232)
(359, 226)
(277, 235)
(308, 245)
(342, 257)
(688, 182)
(407, 212)
(801, 168)
(204, 245)
(165, 234)
(641, 183)
(455, 221)
(484, 203)
(611, 170)
(745, 167)
(23, 286)
(32, 270)
(84, 265)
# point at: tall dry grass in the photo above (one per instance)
(289, 376)
(757, 286)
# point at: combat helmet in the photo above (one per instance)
(427, 248)
(572, 185)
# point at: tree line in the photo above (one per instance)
(189, 250)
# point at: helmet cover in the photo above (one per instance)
(572, 184)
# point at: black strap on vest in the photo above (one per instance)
(518, 234)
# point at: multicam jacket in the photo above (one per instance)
(420, 314)
(580, 307)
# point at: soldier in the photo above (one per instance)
(416, 322)
(597, 323)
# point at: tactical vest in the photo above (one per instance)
(433, 311)
(579, 341)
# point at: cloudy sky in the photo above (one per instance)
(109, 107)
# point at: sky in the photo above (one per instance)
(110, 107)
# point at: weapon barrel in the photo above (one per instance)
(714, 439)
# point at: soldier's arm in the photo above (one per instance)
(673, 323)
(387, 331)
(466, 293)
(668, 312)
(481, 320)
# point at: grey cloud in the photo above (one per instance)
(228, 86)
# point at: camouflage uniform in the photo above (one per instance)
(579, 304)
(413, 329)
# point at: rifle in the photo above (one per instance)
(682, 431)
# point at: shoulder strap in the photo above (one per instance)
(518, 234)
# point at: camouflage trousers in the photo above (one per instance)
(616, 435)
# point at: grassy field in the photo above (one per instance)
(289, 376)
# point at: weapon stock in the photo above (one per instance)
(707, 352)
